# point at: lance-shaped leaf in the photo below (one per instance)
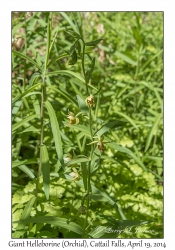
(82, 105)
(73, 33)
(55, 131)
(102, 193)
(106, 127)
(153, 131)
(73, 58)
(64, 93)
(72, 49)
(27, 58)
(20, 230)
(45, 170)
(22, 122)
(94, 42)
(90, 70)
(78, 47)
(59, 222)
(26, 93)
(127, 151)
(67, 72)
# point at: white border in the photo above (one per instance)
(5, 95)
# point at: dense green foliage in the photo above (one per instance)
(87, 125)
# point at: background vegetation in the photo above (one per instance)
(107, 190)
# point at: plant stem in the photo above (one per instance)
(42, 132)
(43, 95)
(89, 175)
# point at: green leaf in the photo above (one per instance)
(25, 93)
(152, 131)
(150, 60)
(25, 215)
(73, 58)
(82, 105)
(90, 70)
(36, 104)
(16, 107)
(45, 170)
(64, 93)
(73, 33)
(125, 58)
(94, 42)
(95, 162)
(106, 127)
(127, 118)
(30, 129)
(27, 58)
(127, 151)
(55, 131)
(67, 72)
(137, 35)
(49, 32)
(34, 78)
(53, 41)
(84, 174)
(22, 122)
(57, 58)
(99, 192)
(73, 26)
(27, 161)
(26, 170)
(72, 49)
(92, 65)
(78, 46)
(56, 221)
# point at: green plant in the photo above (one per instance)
(65, 98)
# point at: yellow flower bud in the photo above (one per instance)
(72, 119)
(90, 100)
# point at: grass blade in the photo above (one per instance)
(127, 118)
(55, 131)
(152, 131)
(125, 58)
